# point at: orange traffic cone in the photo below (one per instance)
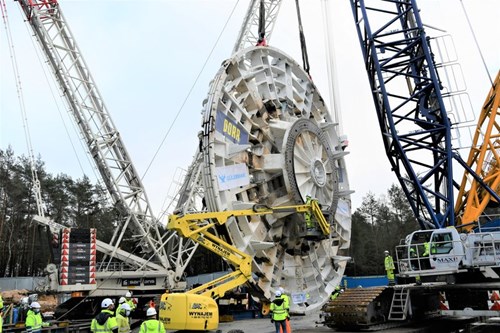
(494, 297)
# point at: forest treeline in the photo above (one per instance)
(377, 225)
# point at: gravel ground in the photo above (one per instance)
(299, 324)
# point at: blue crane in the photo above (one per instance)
(409, 100)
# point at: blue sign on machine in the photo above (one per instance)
(231, 130)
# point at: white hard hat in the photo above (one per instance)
(128, 294)
(278, 293)
(35, 305)
(106, 302)
(151, 312)
(126, 307)
(386, 252)
(122, 300)
(24, 300)
(281, 289)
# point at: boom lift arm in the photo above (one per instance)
(199, 227)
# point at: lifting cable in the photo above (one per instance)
(24, 116)
(190, 90)
(20, 98)
(13, 56)
(475, 41)
(305, 58)
(262, 25)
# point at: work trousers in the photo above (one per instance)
(282, 324)
(390, 277)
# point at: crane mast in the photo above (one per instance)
(249, 32)
(484, 159)
(408, 97)
(454, 272)
(102, 138)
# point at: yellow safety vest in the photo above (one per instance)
(131, 303)
(280, 312)
(33, 321)
(107, 327)
(152, 326)
(123, 323)
(389, 263)
(287, 300)
(428, 248)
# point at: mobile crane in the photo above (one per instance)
(164, 255)
(197, 309)
(461, 269)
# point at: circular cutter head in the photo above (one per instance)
(269, 139)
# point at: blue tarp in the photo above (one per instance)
(364, 281)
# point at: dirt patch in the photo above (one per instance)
(14, 296)
(47, 302)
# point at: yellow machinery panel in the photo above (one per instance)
(185, 311)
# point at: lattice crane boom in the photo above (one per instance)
(97, 129)
(249, 32)
(407, 92)
(484, 159)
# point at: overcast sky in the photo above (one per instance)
(146, 55)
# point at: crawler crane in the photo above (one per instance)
(164, 256)
(459, 270)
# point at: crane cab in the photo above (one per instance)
(430, 252)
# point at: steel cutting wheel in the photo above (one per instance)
(269, 139)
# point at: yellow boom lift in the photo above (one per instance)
(197, 309)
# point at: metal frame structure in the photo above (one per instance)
(249, 32)
(406, 90)
(169, 252)
(484, 158)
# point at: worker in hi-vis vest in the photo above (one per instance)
(389, 268)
